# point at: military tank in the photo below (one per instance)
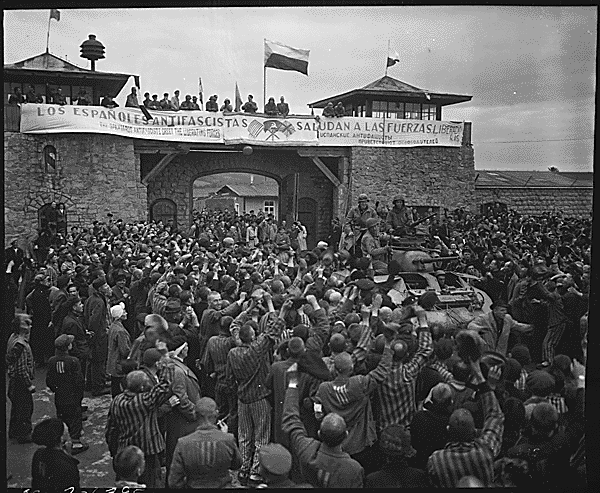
(455, 303)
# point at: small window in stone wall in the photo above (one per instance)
(49, 156)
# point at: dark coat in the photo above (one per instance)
(73, 325)
(428, 433)
(54, 471)
(397, 475)
(65, 379)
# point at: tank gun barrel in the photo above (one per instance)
(434, 259)
(416, 223)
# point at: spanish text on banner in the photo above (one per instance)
(240, 128)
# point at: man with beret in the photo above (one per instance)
(20, 366)
(97, 320)
(65, 379)
(398, 218)
(396, 473)
(468, 454)
(322, 462)
(204, 458)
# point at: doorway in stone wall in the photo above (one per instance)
(52, 217)
(307, 215)
(164, 210)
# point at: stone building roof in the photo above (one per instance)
(254, 190)
(533, 179)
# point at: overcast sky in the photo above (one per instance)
(531, 70)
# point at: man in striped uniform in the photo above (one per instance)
(466, 455)
(348, 395)
(203, 458)
(248, 365)
(19, 362)
(396, 394)
(133, 420)
(215, 364)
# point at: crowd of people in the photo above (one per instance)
(231, 346)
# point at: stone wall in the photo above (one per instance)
(175, 181)
(425, 176)
(95, 174)
(572, 201)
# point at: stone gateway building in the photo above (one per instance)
(90, 174)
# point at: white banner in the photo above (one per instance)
(356, 131)
(239, 128)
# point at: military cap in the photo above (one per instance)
(275, 458)
(363, 197)
(372, 221)
(63, 341)
(540, 382)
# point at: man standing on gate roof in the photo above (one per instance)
(399, 217)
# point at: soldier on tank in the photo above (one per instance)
(355, 223)
(371, 247)
(399, 218)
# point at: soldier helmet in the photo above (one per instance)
(363, 197)
(369, 223)
(398, 198)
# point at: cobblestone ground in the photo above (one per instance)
(95, 464)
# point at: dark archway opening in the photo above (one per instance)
(493, 208)
(53, 218)
(307, 215)
(164, 210)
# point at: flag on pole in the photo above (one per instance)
(55, 14)
(238, 98)
(392, 58)
(285, 57)
(200, 90)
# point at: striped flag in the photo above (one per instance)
(55, 14)
(392, 58)
(238, 98)
(284, 57)
(200, 90)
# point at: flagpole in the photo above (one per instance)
(386, 58)
(48, 34)
(264, 87)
